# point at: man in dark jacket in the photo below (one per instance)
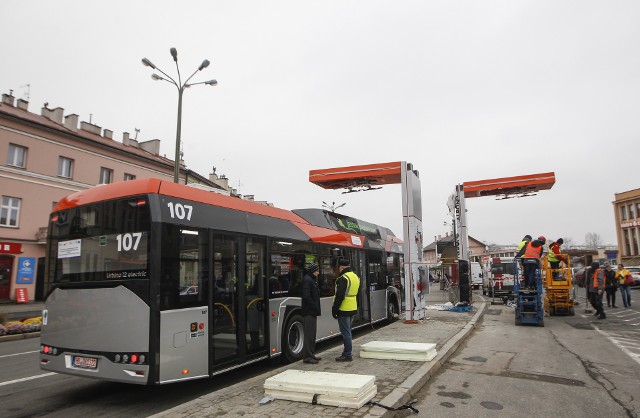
(310, 311)
(345, 305)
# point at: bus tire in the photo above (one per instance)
(392, 310)
(293, 339)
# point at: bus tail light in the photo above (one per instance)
(47, 349)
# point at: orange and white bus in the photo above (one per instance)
(152, 282)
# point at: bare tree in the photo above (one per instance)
(568, 242)
(592, 239)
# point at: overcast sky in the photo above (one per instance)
(463, 90)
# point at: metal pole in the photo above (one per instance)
(176, 169)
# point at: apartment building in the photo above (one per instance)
(46, 156)
(626, 208)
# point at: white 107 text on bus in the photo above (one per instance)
(180, 211)
(128, 242)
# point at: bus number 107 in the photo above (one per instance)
(128, 242)
(180, 211)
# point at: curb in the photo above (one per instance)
(16, 337)
(406, 390)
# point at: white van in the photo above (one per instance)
(498, 275)
(476, 275)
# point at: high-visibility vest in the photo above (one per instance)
(350, 303)
(596, 281)
(553, 250)
(532, 252)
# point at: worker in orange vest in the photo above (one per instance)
(531, 261)
(595, 286)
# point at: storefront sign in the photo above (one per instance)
(26, 270)
(10, 248)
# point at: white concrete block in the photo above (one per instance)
(328, 400)
(322, 383)
(428, 356)
(397, 347)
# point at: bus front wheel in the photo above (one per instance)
(293, 339)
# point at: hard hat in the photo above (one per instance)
(542, 238)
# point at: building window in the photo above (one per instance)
(65, 167)
(623, 212)
(17, 156)
(634, 235)
(638, 209)
(128, 177)
(627, 243)
(632, 214)
(9, 211)
(106, 175)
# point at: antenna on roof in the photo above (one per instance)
(137, 132)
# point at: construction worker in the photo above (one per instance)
(555, 257)
(531, 260)
(595, 287)
(525, 240)
(521, 247)
(345, 305)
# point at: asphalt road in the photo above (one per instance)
(572, 367)
(27, 391)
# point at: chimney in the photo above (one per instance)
(107, 133)
(223, 182)
(54, 115)
(128, 141)
(8, 98)
(249, 197)
(89, 127)
(71, 122)
(23, 104)
(152, 146)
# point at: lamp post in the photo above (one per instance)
(181, 87)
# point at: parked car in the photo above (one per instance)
(635, 274)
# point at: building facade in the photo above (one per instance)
(626, 209)
(46, 156)
(432, 253)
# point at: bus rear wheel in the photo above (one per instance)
(293, 339)
(392, 311)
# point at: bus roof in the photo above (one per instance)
(312, 223)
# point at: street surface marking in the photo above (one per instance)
(622, 347)
(11, 382)
(19, 354)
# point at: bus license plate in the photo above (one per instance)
(85, 362)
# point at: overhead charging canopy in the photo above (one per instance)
(373, 176)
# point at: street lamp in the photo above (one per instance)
(180, 86)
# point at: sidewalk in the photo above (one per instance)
(18, 311)
(397, 381)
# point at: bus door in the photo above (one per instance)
(359, 266)
(238, 311)
(377, 285)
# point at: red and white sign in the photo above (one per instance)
(21, 295)
(10, 248)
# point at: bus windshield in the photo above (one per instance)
(105, 241)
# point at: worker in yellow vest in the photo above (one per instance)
(345, 305)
